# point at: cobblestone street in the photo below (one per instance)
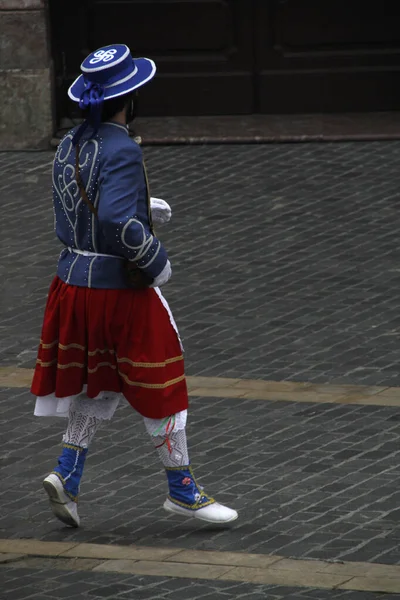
(286, 269)
(285, 257)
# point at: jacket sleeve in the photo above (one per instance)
(120, 190)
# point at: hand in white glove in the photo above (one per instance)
(163, 277)
(160, 211)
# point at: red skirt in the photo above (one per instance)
(111, 340)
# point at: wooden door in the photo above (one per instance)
(230, 57)
(203, 50)
(69, 46)
(327, 55)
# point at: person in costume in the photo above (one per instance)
(107, 329)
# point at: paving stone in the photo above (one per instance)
(118, 552)
(9, 557)
(225, 558)
(21, 546)
(173, 569)
(276, 577)
(381, 584)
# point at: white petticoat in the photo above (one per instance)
(104, 405)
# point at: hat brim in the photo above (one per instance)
(145, 69)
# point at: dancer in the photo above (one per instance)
(107, 328)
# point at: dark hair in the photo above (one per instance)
(112, 107)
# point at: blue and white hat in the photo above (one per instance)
(107, 73)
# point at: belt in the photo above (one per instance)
(94, 254)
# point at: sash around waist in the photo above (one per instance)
(92, 254)
(80, 268)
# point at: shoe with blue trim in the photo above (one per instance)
(62, 485)
(187, 498)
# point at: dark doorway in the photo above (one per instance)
(224, 57)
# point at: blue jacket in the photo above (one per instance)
(111, 166)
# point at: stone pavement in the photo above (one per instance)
(226, 387)
(315, 481)
(49, 583)
(285, 258)
(198, 565)
(285, 269)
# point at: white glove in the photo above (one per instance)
(163, 277)
(160, 211)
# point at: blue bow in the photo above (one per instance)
(92, 98)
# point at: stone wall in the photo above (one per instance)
(25, 76)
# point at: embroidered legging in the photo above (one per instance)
(168, 435)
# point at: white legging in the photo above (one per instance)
(168, 435)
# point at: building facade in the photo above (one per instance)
(214, 56)
(26, 105)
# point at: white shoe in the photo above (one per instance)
(62, 506)
(213, 513)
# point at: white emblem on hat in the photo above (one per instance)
(103, 56)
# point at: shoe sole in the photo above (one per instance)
(183, 512)
(59, 509)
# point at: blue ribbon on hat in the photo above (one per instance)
(93, 95)
(92, 98)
